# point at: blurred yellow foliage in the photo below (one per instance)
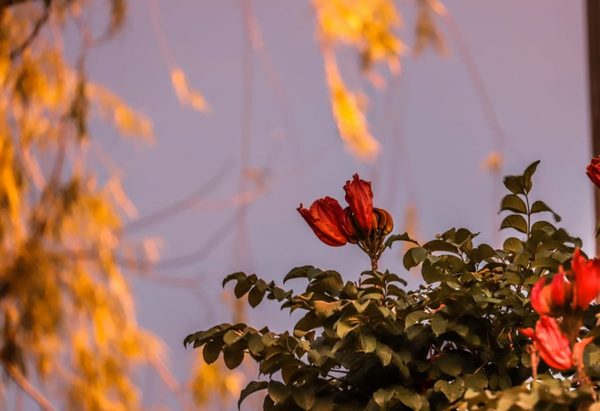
(66, 311)
(370, 27)
(186, 95)
(214, 381)
(350, 115)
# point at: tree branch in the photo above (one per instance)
(23, 383)
(37, 27)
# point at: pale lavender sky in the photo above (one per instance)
(531, 56)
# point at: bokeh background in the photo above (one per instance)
(511, 83)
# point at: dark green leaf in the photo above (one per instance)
(298, 272)
(242, 287)
(399, 237)
(232, 336)
(513, 202)
(451, 364)
(514, 184)
(516, 222)
(211, 351)
(414, 257)
(251, 388)
(233, 356)
(529, 171)
(256, 295)
(540, 206)
(452, 390)
(278, 392)
(513, 245)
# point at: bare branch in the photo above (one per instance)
(23, 383)
(37, 27)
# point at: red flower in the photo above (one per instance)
(360, 198)
(546, 298)
(325, 218)
(552, 345)
(593, 171)
(586, 281)
(348, 226)
(539, 297)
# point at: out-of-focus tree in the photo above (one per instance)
(67, 318)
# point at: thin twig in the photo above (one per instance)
(15, 53)
(181, 205)
(26, 386)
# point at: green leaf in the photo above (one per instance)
(414, 257)
(439, 324)
(414, 317)
(513, 202)
(233, 356)
(440, 245)
(540, 207)
(368, 343)
(242, 287)
(450, 364)
(278, 392)
(251, 388)
(513, 244)
(409, 398)
(211, 351)
(232, 336)
(234, 276)
(255, 296)
(384, 353)
(255, 344)
(383, 396)
(475, 382)
(298, 272)
(452, 390)
(399, 237)
(529, 171)
(304, 397)
(514, 184)
(343, 328)
(514, 221)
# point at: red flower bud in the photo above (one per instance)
(360, 199)
(593, 171)
(586, 280)
(384, 220)
(325, 218)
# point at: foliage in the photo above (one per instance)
(66, 313)
(454, 342)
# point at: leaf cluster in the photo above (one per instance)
(371, 344)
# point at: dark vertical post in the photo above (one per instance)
(593, 36)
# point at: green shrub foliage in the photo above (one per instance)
(453, 343)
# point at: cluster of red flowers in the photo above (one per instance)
(566, 296)
(564, 299)
(336, 226)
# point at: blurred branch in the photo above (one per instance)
(181, 205)
(171, 382)
(37, 27)
(4, 4)
(475, 75)
(23, 383)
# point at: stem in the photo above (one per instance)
(528, 216)
(24, 384)
(374, 260)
